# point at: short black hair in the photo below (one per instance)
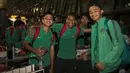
(47, 13)
(71, 14)
(97, 5)
(84, 14)
(18, 23)
(59, 16)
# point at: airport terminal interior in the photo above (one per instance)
(64, 36)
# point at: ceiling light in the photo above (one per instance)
(0, 5)
(129, 4)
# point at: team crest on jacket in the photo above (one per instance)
(102, 30)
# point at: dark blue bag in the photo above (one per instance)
(126, 53)
(126, 50)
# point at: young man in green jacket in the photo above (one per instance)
(106, 50)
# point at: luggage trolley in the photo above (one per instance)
(3, 53)
(3, 57)
(26, 69)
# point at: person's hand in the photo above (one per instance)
(39, 52)
(100, 66)
(85, 56)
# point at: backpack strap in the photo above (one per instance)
(108, 31)
(37, 32)
(78, 30)
(26, 27)
(54, 34)
(11, 31)
(53, 37)
(63, 30)
(107, 28)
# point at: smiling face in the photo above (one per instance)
(47, 20)
(70, 21)
(84, 20)
(95, 13)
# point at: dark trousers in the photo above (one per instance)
(84, 67)
(65, 65)
(10, 56)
